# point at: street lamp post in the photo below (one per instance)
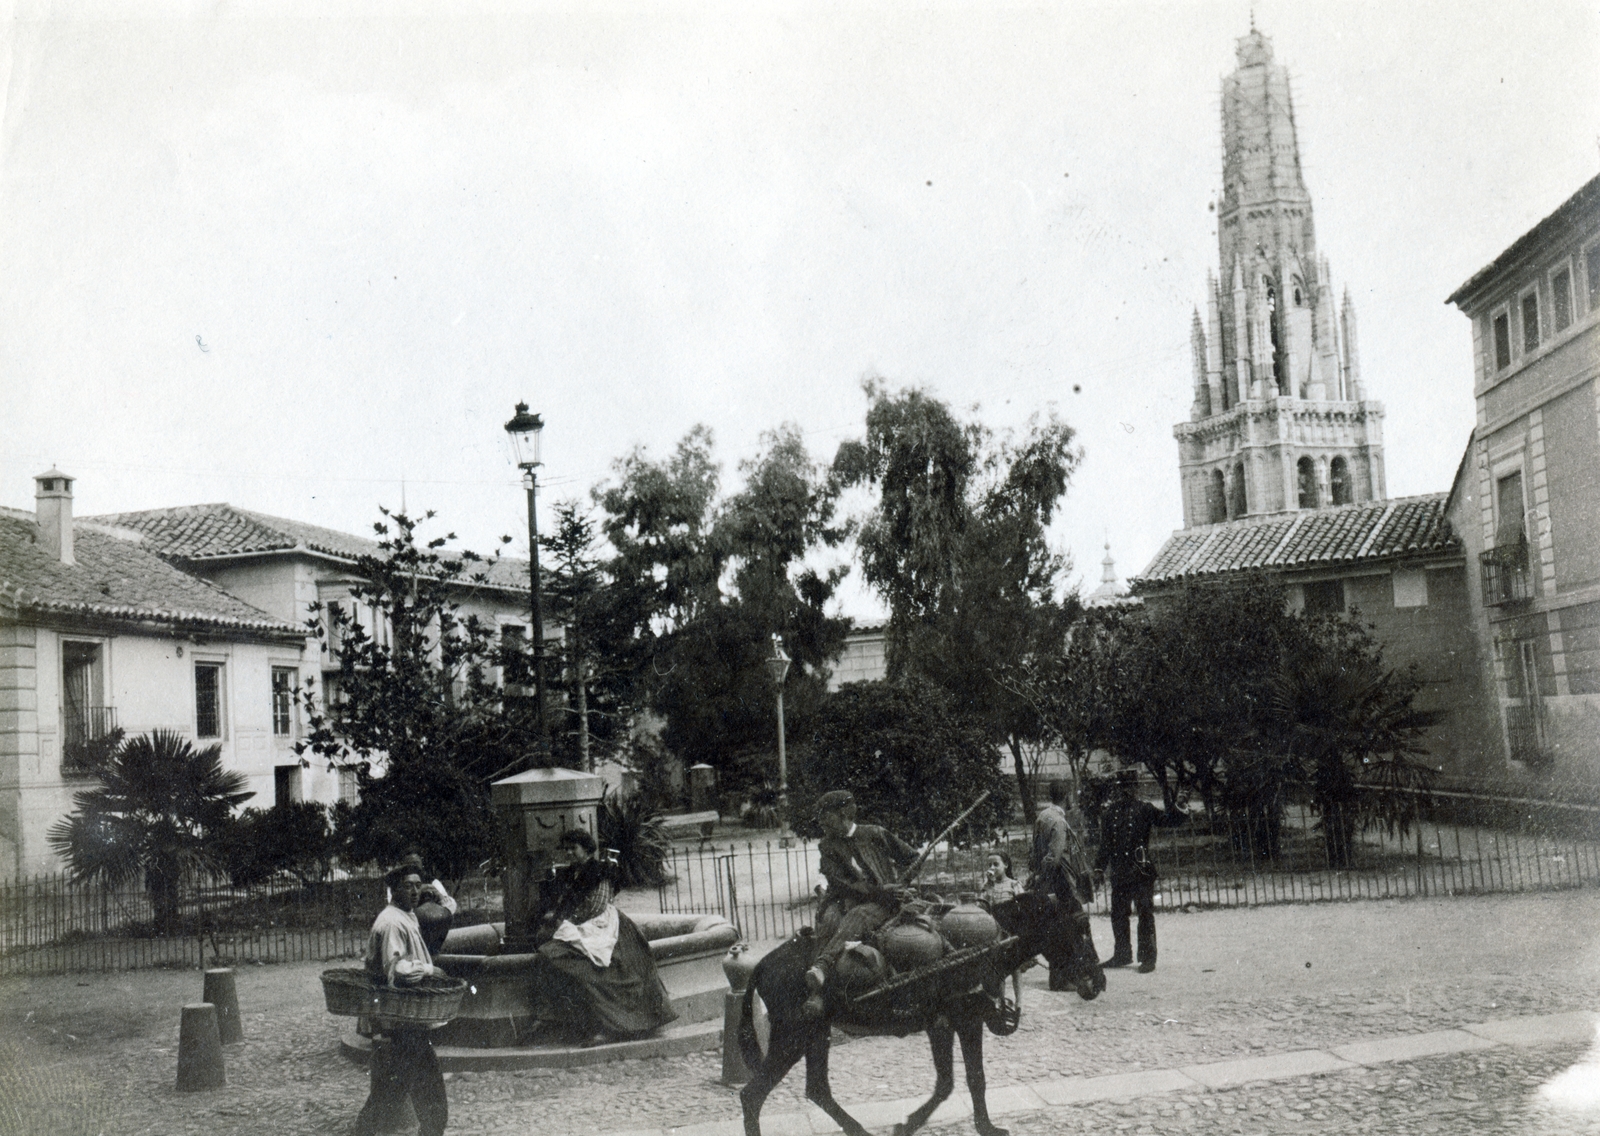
(778, 667)
(525, 430)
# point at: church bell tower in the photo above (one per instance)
(1280, 420)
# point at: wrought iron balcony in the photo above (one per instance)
(81, 728)
(1506, 574)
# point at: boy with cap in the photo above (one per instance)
(861, 863)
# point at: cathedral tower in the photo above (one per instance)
(1280, 419)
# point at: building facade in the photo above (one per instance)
(1280, 419)
(1527, 498)
(98, 633)
(1396, 565)
(285, 568)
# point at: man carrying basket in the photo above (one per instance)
(403, 1061)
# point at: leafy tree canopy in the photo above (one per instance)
(415, 707)
(912, 759)
(701, 582)
(958, 547)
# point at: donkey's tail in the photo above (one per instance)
(749, 1046)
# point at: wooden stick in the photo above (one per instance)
(922, 857)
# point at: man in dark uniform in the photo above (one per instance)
(1058, 864)
(1124, 857)
(861, 863)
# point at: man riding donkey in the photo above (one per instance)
(862, 864)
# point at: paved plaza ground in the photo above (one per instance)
(97, 1054)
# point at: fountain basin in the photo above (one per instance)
(498, 1008)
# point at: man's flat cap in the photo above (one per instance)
(835, 800)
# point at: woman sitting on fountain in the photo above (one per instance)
(599, 980)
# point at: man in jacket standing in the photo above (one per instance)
(862, 864)
(1124, 857)
(1057, 863)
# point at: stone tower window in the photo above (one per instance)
(1299, 295)
(1216, 498)
(1238, 501)
(1308, 483)
(1272, 333)
(1339, 482)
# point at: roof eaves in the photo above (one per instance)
(1587, 197)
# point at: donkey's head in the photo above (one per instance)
(1040, 923)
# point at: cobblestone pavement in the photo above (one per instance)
(1483, 1094)
(97, 1054)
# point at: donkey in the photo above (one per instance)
(1040, 926)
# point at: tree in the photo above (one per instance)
(292, 836)
(414, 708)
(703, 582)
(912, 759)
(1079, 688)
(1351, 726)
(159, 811)
(580, 602)
(958, 547)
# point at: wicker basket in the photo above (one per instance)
(353, 993)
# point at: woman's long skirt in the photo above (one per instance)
(626, 997)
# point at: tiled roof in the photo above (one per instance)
(1379, 530)
(197, 533)
(115, 578)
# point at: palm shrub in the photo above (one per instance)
(634, 829)
(1350, 727)
(159, 812)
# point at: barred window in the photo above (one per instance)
(208, 700)
(284, 680)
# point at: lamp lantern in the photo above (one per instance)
(778, 664)
(526, 431)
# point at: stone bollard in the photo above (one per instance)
(738, 964)
(220, 992)
(200, 1049)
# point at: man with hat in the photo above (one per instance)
(1124, 857)
(403, 1061)
(1058, 864)
(861, 863)
(436, 911)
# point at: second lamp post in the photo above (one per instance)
(778, 666)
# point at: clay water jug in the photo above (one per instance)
(969, 925)
(912, 944)
(861, 968)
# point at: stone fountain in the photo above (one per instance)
(498, 961)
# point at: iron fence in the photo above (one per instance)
(1463, 845)
(53, 925)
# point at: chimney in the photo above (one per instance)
(53, 510)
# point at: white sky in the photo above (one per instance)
(386, 228)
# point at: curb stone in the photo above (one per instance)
(1040, 1096)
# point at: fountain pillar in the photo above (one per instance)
(533, 809)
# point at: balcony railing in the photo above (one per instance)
(1506, 578)
(81, 728)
